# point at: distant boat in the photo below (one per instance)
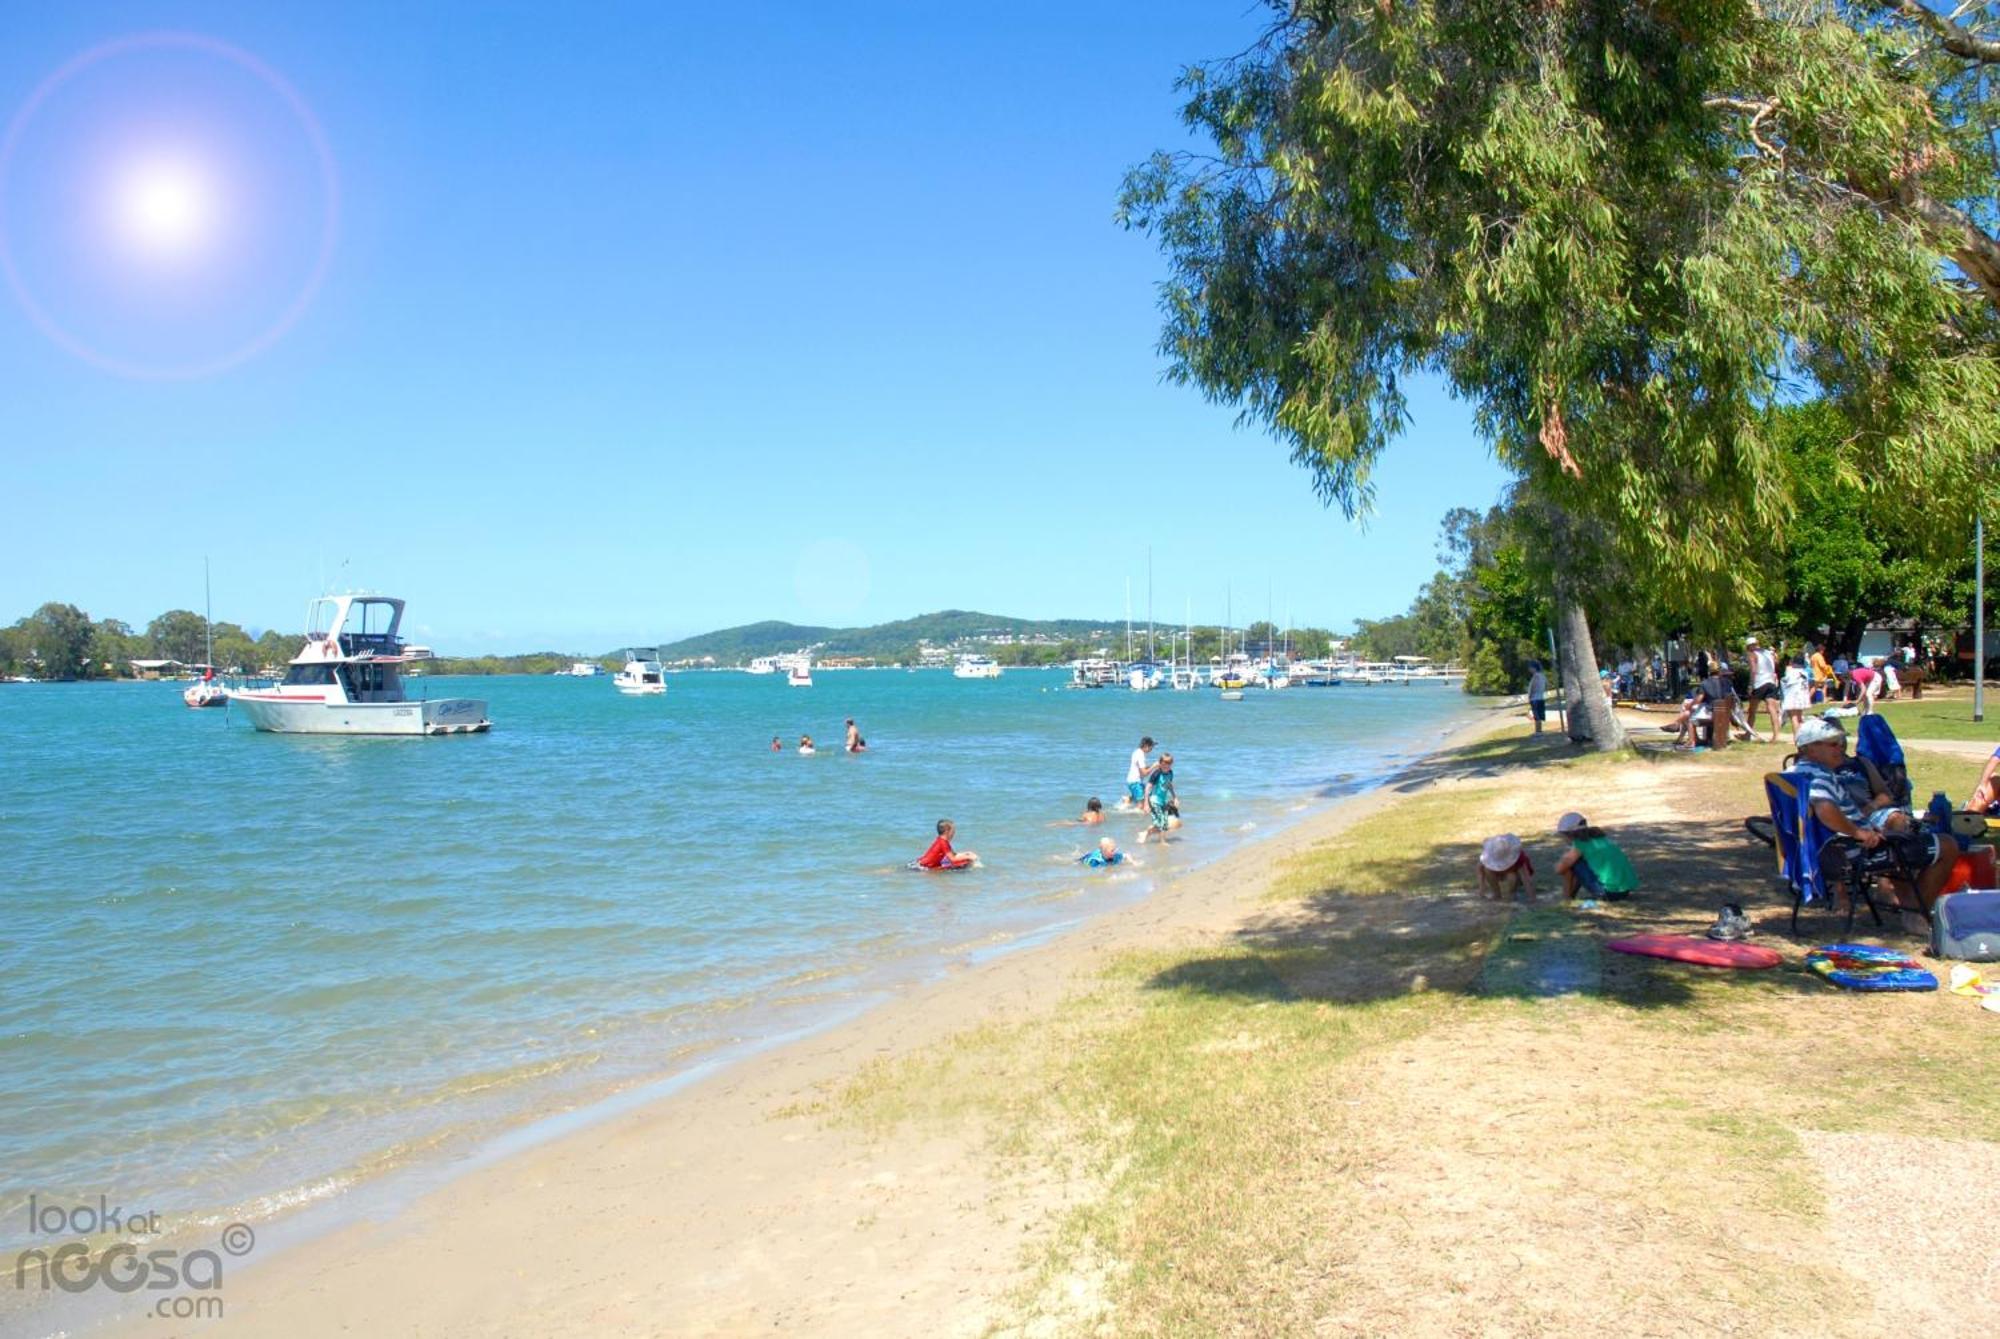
(1093, 672)
(207, 692)
(642, 675)
(800, 675)
(975, 667)
(347, 680)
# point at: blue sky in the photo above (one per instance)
(637, 321)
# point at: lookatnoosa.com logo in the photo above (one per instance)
(124, 1265)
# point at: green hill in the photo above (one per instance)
(898, 641)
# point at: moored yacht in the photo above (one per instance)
(975, 667)
(642, 675)
(346, 680)
(800, 675)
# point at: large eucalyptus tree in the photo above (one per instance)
(1572, 211)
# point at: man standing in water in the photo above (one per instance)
(855, 743)
(1135, 775)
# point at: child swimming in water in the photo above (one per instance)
(806, 744)
(1107, 853)
(1093, 812)
(940, 855)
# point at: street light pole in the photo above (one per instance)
(1979, 618)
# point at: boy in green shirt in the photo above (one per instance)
(1593, 862)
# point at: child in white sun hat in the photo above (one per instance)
(1504, 867)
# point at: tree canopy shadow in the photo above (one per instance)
(1343, 947)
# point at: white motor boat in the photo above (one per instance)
(800, 675)
(347, 680)
(1093, 672)
(975, 667)
(642, 675)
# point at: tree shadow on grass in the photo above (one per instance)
(1334, 946)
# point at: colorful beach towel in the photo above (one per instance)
(1868, 967)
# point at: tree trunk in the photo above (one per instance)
(1591, 720)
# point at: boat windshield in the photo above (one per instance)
(371, 682)
(318, 673)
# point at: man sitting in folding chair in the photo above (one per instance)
(1891, 843)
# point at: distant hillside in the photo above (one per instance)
(890, 641)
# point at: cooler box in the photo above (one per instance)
(1966, 926)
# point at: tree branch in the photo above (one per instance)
(1954, 37)
(1757, 110)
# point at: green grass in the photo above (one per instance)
(1942, 716)
(1256, 1123)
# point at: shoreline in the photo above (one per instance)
(735, 1104)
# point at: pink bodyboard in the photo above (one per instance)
(1695, 949)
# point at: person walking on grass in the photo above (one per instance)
(1764, 686)
(1538, 694)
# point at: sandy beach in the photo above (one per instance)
(1318, 1086)
(730, 1207)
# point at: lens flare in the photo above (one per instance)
(165, 206)
(194, 218)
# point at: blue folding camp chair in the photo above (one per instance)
(1812, 858)
(1875, 741)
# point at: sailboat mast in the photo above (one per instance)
(207, 618)
(1128, 620)
(1149, 604)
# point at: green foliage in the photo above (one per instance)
(1485, 608)
(58, 642)
(177, 635)
(1562, 209)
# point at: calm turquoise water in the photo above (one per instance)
(244, 970)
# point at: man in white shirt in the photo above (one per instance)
(1135, 775)
(1538, 694)
(1764, 685)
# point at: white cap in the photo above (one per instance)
(1500, 853)
(1750, 640)
(1570, 822)
(1817, 730)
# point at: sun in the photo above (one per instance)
(165, 205)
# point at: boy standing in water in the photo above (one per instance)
(1161, 800)
(1135, 775)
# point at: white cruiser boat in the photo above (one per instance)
(800, 675)
(347, 680)
(975, 667)
(642, 675)
(1093, 672)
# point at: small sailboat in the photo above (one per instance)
(208, 692)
